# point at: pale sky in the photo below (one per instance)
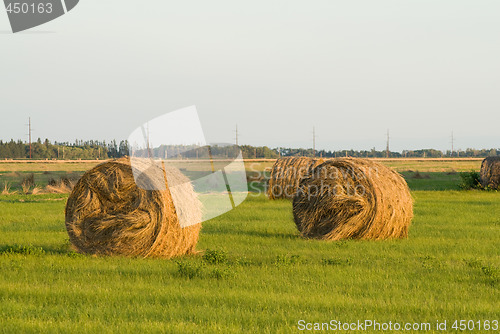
(352, 69)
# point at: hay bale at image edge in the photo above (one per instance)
(490, 173)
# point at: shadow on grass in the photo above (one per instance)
(260, 234)
(36, 250)
(28, 199)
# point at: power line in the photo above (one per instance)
(148, 144)
(29, 134)
(29, 120)
(314, 141)
(452, 143)
(387, 150)
(236, 137)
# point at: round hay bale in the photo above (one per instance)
(490, 173)
(349, 198)
(108, 214)
(286, 175)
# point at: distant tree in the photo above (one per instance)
(123, 148)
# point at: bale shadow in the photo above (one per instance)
(275, 235)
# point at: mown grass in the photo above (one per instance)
(48, 166)
(256, 275)
(432, 180)
(430, 165)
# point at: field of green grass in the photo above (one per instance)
(256, 274)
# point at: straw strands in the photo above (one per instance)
(351, 198)
(108, 214)
(286, 175)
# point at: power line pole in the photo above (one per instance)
(387, 150)
(236, 137)
(314, 141)
(149, 148)
(29, 133)
(452, 143)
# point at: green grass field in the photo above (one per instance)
(257, 275)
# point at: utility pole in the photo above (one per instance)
(149, 148)
(29, 133)
(236, 138)
(314, 141)
(452, 143)
(387, 151)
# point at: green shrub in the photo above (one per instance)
(74, 254)
(490, 271)
(221, 273)
(189, 270)
(215, 257)
(243, 261)
(285, 260)
(474, 263)
(430, 262)
(470, 180)
(23, 250)
(337, 262)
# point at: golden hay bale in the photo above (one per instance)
(351, 198)
(286, 175)
(490, 173)
(108, 214)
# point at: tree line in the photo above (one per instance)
(93, 149)
(251, 152)
(80, 149)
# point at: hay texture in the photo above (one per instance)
(490, 173)
(349, 198)
(108, 214)
(286, 175)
